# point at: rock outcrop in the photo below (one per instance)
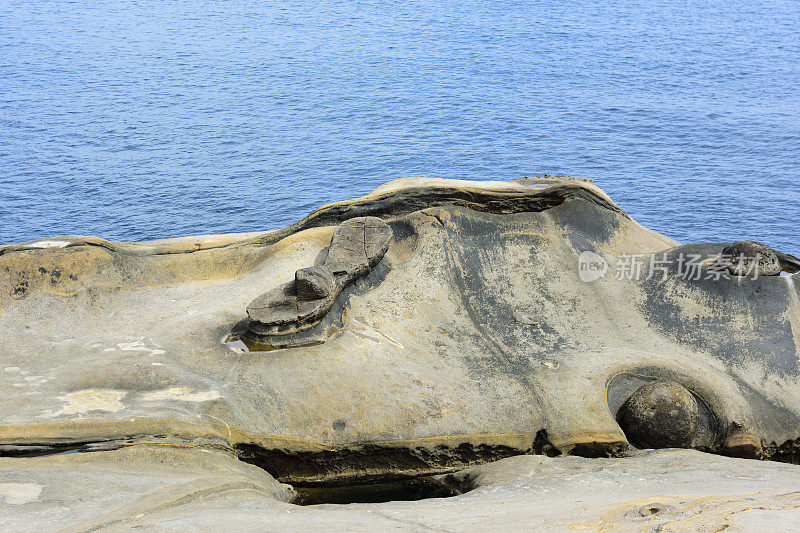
(194, 489)
(357, 245)
(424, 328)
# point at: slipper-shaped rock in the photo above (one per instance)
(356, 247)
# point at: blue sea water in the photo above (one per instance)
(135, 120)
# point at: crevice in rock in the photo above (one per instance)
(543, 446)
(372, 473)
(369, 463)
(43, 450)
(411, 489)
(787, 452)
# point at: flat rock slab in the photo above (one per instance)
(111, 489)
(195, 489)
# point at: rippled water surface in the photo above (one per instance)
(143, 120)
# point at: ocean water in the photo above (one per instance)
(135, 120)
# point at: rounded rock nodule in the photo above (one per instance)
(748, 258)
(660, 414)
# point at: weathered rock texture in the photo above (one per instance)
(177, 489)
(472, 339)
(357, 245)
(660, 414)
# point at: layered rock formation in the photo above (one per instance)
(427, 327)
(180, 489)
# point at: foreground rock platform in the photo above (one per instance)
(498, 319)
(193, 489)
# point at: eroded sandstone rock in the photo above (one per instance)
(357, 245)
(472, 338)
(660, 414)
(200, 489)
(751, 258)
